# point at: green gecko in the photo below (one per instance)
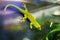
(26, 15)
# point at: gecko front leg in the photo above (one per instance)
(31, 25)
(24, 18)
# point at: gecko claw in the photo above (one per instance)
(23, 20)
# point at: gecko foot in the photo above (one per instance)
(31, 25)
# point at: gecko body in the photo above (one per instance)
(27, 14)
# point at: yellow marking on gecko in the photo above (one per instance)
(26, 15)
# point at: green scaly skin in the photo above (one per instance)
(26, 15)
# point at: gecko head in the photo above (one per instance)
(38, 27)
